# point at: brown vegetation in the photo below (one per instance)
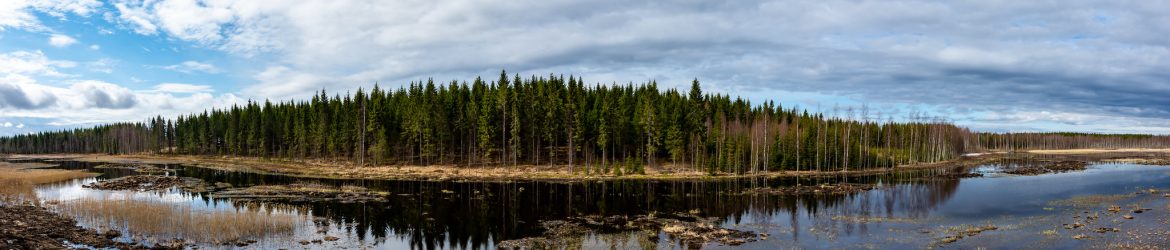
(146, 183)
(342, 169)
(339, 168)
(140, 168)
(687, 228)
(303, 192)
(30, 227)
(18, 179)
(823, 189)
(1099, 151)
(958, 233)
(1048, 167)
(180, 221)
(1143, 161)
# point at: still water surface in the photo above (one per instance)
(908, 210)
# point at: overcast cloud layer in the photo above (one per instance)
(1097, 66)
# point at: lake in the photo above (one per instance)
(906, 209)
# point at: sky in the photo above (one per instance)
(998, 66)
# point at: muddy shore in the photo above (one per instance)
(1049, 167)
(30, 227)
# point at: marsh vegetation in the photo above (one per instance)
(18, 179)
(179, 221)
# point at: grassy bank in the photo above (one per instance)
(343, 169)
(1098, 151)
(18, 179)
(339, 169)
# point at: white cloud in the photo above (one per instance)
(136, 17)
(95, 47)
(61, 41)
(104, 95)
(22, 92)
(15, 15)
(192, 20)
(30, 90)
(11, 125)
(192, 67)
(281, 81)
(182, 88)
(1039, 56)
(59, 8)
(880, 52)
(89, 102)
(186, 19)
(19, 13)
(32, 63)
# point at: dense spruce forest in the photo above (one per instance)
(556, 120)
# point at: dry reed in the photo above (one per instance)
(17, 181)
(162, 220)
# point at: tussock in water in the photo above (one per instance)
(823, 189)
(303, 192)
(140, 168)
(958, 233)
(953, 176)
(1049, 167)
(147, 183)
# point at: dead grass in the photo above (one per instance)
(161, 220)
(867, 219)
(344, 169)
(30, 172)
(311, 187)
(16, 192)
(24, 165)
(1091, 200)
(1099, 151)
(18, 179)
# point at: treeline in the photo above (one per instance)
(1065, 140)
(537, 120)
(110, 138)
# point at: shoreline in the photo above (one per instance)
(327, 169)
(1089, 151)
(318, 168)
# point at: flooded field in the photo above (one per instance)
(1106, 205)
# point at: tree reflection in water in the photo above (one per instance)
(477, 215)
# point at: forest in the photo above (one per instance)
(554, 120)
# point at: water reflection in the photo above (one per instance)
(475, 215)
(478, 215)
